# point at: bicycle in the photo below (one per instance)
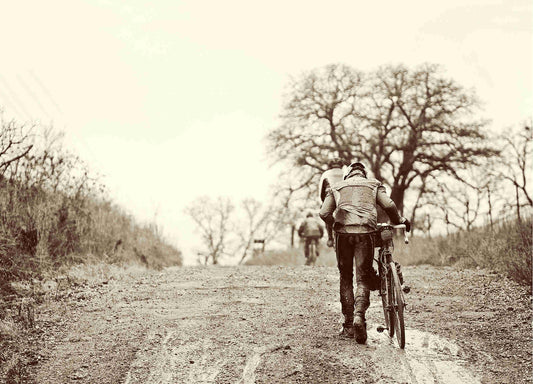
(391, 292)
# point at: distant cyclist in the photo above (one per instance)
(351, 207)
(333, 175)
(310, 230)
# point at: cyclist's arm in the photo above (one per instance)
(385, 202)
(301, 229)
(327, 209)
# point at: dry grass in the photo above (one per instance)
(504, 248)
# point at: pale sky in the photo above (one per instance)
(171, 99)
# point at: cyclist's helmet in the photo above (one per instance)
(354, 168)
(336, 162)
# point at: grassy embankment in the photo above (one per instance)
(43, 234)
(506, 248)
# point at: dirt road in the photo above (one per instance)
(280, 325)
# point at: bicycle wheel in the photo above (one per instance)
(312, 253)
(398, 304)
(386, 301)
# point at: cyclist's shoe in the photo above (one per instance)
(374, 282)
(360, 328)
(347, 331)
(330, 243)
(399, 270)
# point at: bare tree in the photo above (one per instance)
(260, 223)
(464, 203)
(213, 221)
(517, 165)
(405, 124)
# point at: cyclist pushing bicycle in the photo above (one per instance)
(351, 207)
(311, 231)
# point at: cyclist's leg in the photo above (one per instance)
(315, 241)
(364, 257)
(364, 272)
(345, 254)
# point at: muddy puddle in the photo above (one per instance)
(427, 358)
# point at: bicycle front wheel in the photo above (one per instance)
(386, 301)
(398, 305)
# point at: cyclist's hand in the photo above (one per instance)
(407, 224)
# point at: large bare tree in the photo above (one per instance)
(406, 124)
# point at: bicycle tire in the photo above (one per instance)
(309, 257)
(398, 307)
(387, 302)
(312, 253)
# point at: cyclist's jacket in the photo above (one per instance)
(310, 227)
(328, 178)
(352, 205)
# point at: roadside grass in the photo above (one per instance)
(11, 358)
(505, 248)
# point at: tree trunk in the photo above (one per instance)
(517, 203)
(293, 229)
(397, 195)
(490, 207)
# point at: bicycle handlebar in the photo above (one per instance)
(397, 226)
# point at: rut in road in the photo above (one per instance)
(266, 325)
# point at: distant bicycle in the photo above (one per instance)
(391, 292)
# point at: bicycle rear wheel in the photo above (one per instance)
(386, 301)
(398, 305)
